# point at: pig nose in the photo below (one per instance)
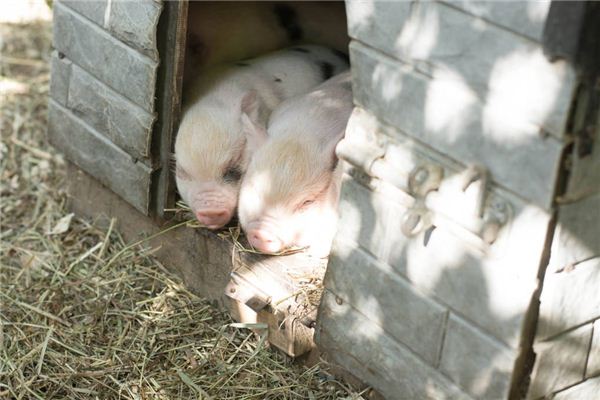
(213, 218)
(264, 241)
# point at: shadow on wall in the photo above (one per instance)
(417, 319)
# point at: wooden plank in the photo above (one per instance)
(94, 153)
(349, 339)
(388, 300)
(443, 114)
(134, 23)
(498, 68)
(171, 35)
(123, 122)
(526, 18)
(122, 68)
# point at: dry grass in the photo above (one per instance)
(85, 316)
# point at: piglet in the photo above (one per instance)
(216, 139)
(290, 192)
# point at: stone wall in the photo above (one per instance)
(101, 108)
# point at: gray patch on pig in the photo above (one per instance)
(288, 20)
(326, 69)
(300, 50)
(232, 174)
(341, 55)
(277, 80)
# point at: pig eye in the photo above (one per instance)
(232, 174)
(307, 203)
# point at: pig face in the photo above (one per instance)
(212, 152)
(289, 195)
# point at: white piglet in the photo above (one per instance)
(216, 139)
(290, 191)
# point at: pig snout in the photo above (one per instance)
(213, 218)
(265, 238)
(214, 208)
(265, 241)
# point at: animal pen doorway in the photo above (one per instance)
(281, 291)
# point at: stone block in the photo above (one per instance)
(112, 62)
(123, 122)
(569, 298)
(446, 114)
(386, 299)
(99, 157)
(577, 236)
(94, 10)
(475, 361)
(352, 341)
(560, 362)
(593, 365)
(587, 390)
(492, 288)
(135, 22)
(364, 217)
(60, 77)
(527, 18)
(507, 71)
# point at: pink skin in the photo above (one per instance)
(291, 187)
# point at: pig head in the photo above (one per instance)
(290, 192)
(208, 180)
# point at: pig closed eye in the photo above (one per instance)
(307, 203)
(232, 175)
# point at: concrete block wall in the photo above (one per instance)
(451, 84)
(102, 92)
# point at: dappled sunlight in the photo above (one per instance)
(523, 88)
(419, 35)
(537, 11)
(390, 82)
(449, 105)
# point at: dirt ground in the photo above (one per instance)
(82, 314)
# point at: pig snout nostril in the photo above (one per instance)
(264, 241)
(213, 219)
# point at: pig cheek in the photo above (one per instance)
(249, 207)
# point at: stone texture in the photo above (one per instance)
(60, 77)
(361, 347)
(460, 127)
(94, 10)
(524, 17)
(134, 22)
(98, 156)
(123, 122)
(109, 60)
(569, 298)
(577, 235)
(593, 365)
(509, 72)
(387, 300)
(364, 215)
(560, 362)
(587, 390)
(477, 362)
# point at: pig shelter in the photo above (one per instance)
(467, 258)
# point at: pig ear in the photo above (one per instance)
(328, 150)
(255, 133)
(250, 105)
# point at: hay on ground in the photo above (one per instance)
(85, 316)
